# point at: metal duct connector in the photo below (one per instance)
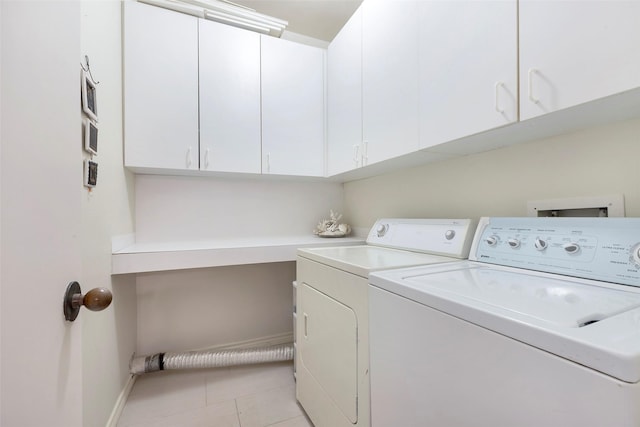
(210, 359)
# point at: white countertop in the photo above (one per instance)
(164, 256)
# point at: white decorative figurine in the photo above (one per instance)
(331, 227)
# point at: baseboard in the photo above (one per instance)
(122, 400)
(268, 341)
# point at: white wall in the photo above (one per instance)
(109, 337)
(593, 162)
(172, 208)
(192, 309)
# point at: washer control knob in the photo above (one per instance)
(540, 244)
(382, 229)
(492, 240)
(514, 243)
(635, 255)
(571, 248)
(449, 234)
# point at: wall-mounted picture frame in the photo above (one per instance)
(90, 173)
(90, 136)
(89, 100)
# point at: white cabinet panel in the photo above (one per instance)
(229, 99)
(292, 108)
(344, 111)
(573, 52)
(389, 78)
(160, 88)
(468, 68)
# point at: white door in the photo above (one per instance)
(41, 184)
(573, 52)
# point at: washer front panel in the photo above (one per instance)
(432, 369)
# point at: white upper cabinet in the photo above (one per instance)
(468, 68)
(199, 95)
(229, 99)
(160, 88)
(389, 78)
(344, 111)
(292, 108)
(573, 52)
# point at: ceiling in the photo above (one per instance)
(320, 19)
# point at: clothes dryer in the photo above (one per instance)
(332, 335)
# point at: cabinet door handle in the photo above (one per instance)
(189, 162)
(497, 97)
(206, 159)
(306, 320)
(356, 150)
(532, 71)
(268, 162)
(365, 153)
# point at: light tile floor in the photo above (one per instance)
(241, 396)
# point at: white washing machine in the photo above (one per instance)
(332, 336)
(540, 328)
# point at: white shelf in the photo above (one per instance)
(148, 257)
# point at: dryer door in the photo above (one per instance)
(327, 347)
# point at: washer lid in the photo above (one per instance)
(596, 324)
(551, 300)
(363, 259)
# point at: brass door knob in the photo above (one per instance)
(95, 300)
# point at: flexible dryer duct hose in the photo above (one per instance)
(210, 359)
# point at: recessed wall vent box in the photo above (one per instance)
(599, 206)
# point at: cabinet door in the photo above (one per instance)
(389, 78)
(573, 52)
(344, 95)
(292, 108)
(468, 68)
(160, 88)
(229, 98)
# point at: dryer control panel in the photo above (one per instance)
(448, 237)
(605, 249)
